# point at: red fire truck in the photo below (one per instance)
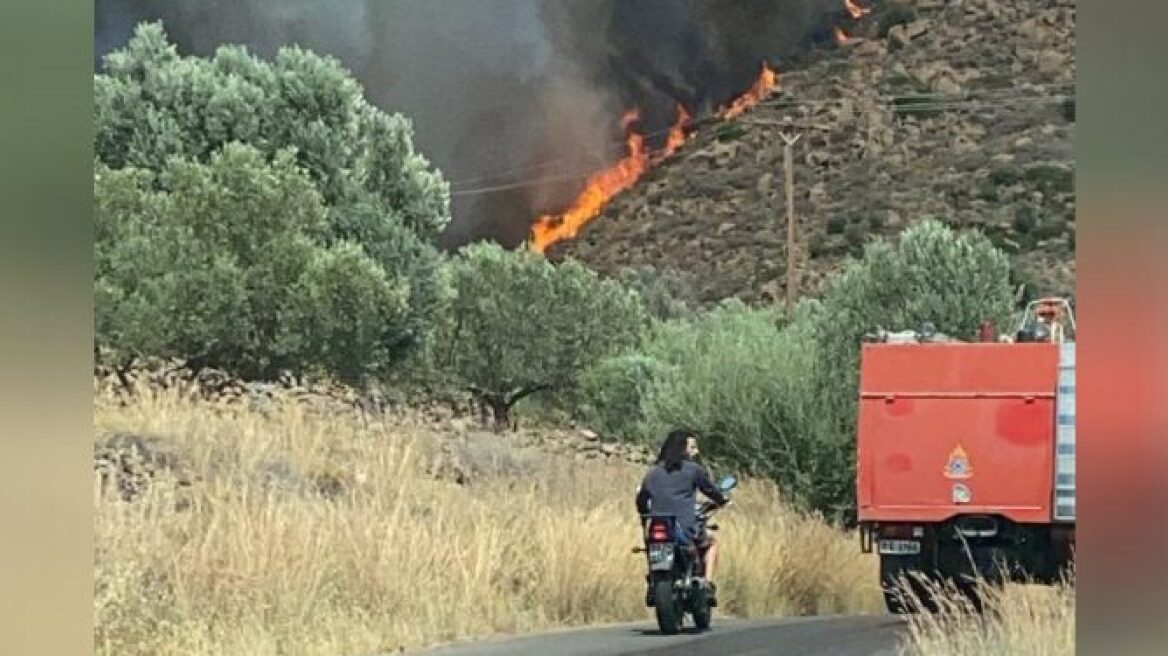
(966, 454)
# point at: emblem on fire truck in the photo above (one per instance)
(958, 466)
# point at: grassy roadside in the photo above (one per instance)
(1019, 620)
(299, 534)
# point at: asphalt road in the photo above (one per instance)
(872, 635)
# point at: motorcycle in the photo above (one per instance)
(675, 563)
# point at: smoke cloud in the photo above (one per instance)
(525, 95)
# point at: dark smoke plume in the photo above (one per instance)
(521, 94)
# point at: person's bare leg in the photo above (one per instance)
(711, 560)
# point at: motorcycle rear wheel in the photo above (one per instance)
(667, 608)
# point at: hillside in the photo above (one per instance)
(962, 111)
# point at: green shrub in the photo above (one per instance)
(614, 394)
(818, 246)
(519, 325)
(1025, 220)
(729, 131)
(856, 234)
(1004, 176)
(987, 190)
(151, 104)
(996, 81)
(1051, 226)
(1049, 178)
(666, 294)
(919, 105)
(905, 84)
(259, 216)
(229, 264)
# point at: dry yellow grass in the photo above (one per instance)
(255, 562)
(1019, 620)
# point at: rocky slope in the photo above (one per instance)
(961, 110)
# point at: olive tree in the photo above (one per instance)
(259, 215)
(226, 264)
(152, 104)
(931, 274)
(520, 325)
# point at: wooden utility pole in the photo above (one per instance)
(789, 139)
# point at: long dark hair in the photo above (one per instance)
(672, 452)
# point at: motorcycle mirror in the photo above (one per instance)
(728, 483)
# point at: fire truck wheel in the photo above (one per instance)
(905, 585)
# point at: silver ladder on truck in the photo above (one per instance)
(1064, 464)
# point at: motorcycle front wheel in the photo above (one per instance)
(702, 612)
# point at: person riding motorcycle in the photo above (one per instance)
(668, 490)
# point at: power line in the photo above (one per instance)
(505, 173)
(1006, 94)
(525, 183)
(908, 108)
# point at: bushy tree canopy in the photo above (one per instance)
(666, 294)
(152, 104)
(736, 375)
(520, 324)
(259, 216)
(930, 275)
(227, 264)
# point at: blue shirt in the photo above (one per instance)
(671, 493)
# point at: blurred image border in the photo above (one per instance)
(46, 403)
(46, 327)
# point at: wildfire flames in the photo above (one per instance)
(841, 37)
(677, 134)
(603, 185)
(767, 81)
(856, 10)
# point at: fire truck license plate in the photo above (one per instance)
(899, 547)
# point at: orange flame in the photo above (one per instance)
(677, 136)
(841, 37)
(603, 185)
(856, 10)
(767, 81)
(629, 118)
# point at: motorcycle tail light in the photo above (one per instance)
(658, 532)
